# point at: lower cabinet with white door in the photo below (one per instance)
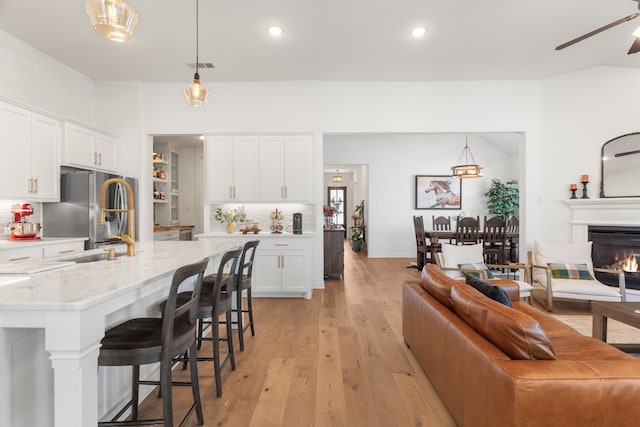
(282, 266)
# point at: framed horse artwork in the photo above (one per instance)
(438, 192)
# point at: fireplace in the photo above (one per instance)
(616, 247)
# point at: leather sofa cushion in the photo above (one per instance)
(438, 284)
(518, 335)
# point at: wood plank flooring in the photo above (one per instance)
(337, 359)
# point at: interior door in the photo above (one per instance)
(337, 197)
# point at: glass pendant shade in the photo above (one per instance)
(195, 93)
(112, 19)
(337, 177)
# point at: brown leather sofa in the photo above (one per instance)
(554, 377)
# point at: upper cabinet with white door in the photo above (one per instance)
(88, 148)
(267, 168)
(31, 142)
(285, 165)
(232, 164)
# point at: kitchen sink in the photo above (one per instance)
(91, 258)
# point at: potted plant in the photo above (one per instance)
(504, 198)
(356, 239)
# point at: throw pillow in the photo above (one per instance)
(570, 271)
(454, 255)
(479, 270)
(494, 292)
(515, 333)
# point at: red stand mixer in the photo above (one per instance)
(21, 229)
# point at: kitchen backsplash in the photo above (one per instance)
(261, 214)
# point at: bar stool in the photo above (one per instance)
(143, 341)
(213, 304)
(242, 283)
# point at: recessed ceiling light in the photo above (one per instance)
(418, 32)
(275, 31)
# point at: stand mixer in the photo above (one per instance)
(21, 229)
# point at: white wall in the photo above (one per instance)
(582, 110)
(29, 76)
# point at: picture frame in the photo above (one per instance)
(438, 192)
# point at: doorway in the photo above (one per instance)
(337, 198)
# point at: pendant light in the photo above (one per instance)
(112, 19)
(195, 93)
(337, 177)
(466, 169)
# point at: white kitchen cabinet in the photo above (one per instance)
(84, 147)
(232, 163)
(282, 267)
(21, 254)
(64, 248)
(33, 250)
(285, 164)
(32, 141)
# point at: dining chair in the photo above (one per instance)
(423, 251)
(494, 242)
(467, 230)
(143, 341)
(441, 223)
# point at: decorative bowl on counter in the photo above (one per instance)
(25, 229)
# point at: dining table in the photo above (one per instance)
(436, 236)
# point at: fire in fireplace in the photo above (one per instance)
(616, 247)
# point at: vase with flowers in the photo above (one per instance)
(231, 217)
(328, 212)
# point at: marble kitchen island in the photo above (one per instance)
(61, 315)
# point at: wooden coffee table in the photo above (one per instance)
(625, 312)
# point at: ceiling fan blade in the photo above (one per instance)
(635, 47)
(598, 31)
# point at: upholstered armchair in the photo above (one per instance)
(566, 271)
(456, 260)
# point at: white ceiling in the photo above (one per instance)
(333, 39)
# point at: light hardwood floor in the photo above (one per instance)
(337, 359)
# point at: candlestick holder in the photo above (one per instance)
(584, 190)
(573, 193)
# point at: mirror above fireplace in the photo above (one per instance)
(620, 168)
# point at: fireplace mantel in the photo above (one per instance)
(615, 211)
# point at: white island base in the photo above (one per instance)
(62, 314)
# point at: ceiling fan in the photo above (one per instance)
(635, 46)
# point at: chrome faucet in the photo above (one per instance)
(129, 239)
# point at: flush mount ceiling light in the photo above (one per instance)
(418, 32)
(195, 93)
(466, 169)
(112, 19)
(275, 31)
(337, 177)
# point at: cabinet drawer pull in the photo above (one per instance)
(282, 257)
(280, 244)
(100, 159)
(35, 181)
(95, 158)
(18, 259)
(67, 251)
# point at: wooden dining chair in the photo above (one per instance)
(468, 230)
(441, 223)
(494, 243)
(423, 250)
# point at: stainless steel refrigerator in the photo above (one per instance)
(76, 215)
